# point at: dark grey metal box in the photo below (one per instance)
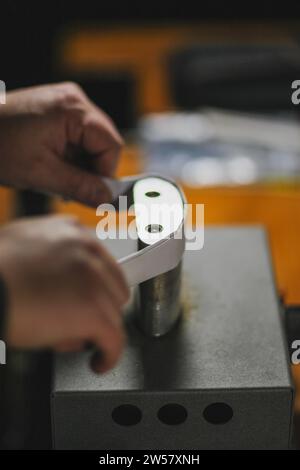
(219, 380)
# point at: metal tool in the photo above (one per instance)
(158, 228)
(156, 267)
(219, 380)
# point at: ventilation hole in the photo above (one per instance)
(172, 414)
(127, 415)
(152, 194)
(218, 413)
(154, 228)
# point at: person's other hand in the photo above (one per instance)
(64, 289)
(44, 129)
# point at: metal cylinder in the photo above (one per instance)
(159, 302)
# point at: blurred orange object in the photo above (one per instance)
(142, 50)
(6, 204)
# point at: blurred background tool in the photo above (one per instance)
(246, 76)
(213, 147)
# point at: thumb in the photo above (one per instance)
(79, 185)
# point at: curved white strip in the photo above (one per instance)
(159, 203)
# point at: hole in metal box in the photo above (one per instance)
(218, 413)
(126, 415)
(172, 414)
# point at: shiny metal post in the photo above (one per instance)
(158, 300)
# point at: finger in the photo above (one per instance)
(69, 346)
(105, 305)
(101, 139)
(104, 267)
(77, 184)
(97, 322)
(113, 269)
(107, 282)
(109, 342)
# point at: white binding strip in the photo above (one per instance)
(161, 256)
(154, 259)
(165, 253)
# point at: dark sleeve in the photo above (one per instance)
(3, 308)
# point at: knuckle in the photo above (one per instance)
(116, 144)
(87, 242)
(68, 245)
(78, 262)
(72, 88)
(68, 94)
(82, 265)
(119, 144)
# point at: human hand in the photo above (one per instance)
(43, 130)
(64, 289)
